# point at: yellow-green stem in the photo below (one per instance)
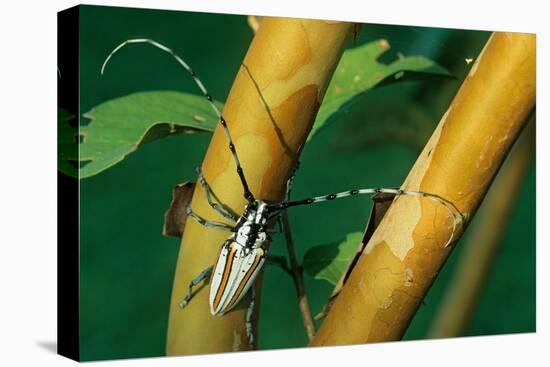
(463, 292)
(269, 111)
(406, 252)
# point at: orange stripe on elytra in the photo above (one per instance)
(225, 278)
(247, 276)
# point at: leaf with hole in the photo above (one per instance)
(67, 135)
(360, 70)
(120, 126)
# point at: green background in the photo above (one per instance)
(127, 266)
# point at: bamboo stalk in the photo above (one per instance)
(462, 295)
(290, 62)
(407, 250)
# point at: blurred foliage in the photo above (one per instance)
(127, 266)
(409, 125)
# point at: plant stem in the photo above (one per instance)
(292, 61)
(407, 250)
(297, 275)
(462, 294)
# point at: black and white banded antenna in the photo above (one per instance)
(457, 215)
(247, 193)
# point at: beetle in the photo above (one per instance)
(244, 252)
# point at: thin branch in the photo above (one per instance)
(297, 275)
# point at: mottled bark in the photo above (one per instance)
(406, 252)
(269, 111)
(464, 290)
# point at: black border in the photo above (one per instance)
(68, 330)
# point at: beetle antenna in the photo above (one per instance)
(451, 208)
(247, 193)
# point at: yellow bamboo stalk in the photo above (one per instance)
(462, 295)
(290, 61)
(407, 250)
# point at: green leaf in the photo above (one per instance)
(330, 261)
(120, 126)
(67, 136)
(359, 71)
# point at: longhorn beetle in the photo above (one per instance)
(244, 252)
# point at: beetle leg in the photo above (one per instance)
(279, 228)
(290, 181)
(210, 197)
(209, 224)
(277, 213)
(203, 275)
(249, 313)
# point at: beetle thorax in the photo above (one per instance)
(251, 228)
